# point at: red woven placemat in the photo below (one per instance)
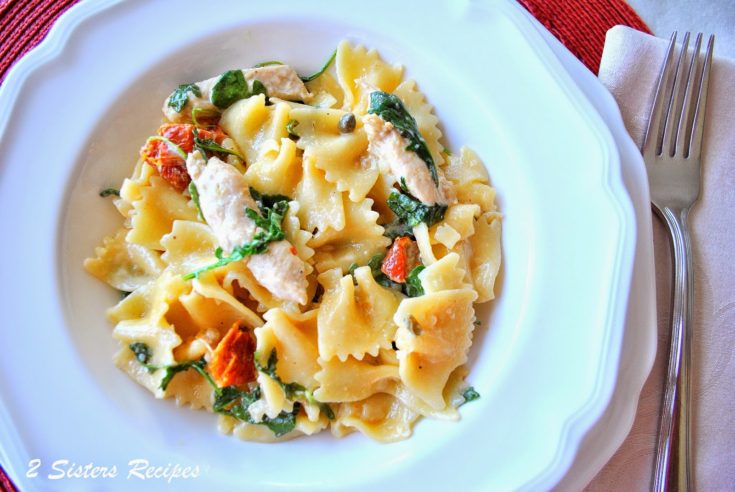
(579, 24)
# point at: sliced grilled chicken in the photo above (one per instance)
(223, 198)
(388, 146)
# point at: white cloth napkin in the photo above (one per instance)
(630, 66)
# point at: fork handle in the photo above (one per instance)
(675, 408)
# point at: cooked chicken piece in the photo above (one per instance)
(223, 198)
(388, 146)
(280, 81)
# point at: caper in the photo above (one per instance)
(347, 123)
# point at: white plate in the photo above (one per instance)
(73, 115)
(639, 342)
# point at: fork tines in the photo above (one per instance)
(677, 117)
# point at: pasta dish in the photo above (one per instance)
(301, 253)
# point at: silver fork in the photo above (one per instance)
(671, 151)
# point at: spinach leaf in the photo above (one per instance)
(230, 87)
(195, 198)
(208, 146)
(173, 370)
(324, 68)
(390, 108)
(398, 229)
(180, 96)
(143, 354)
(413, 287)
(266, 202)
(271, 230)
(412, 212)
(109, 191)
(259, 88)
(284, 422)
(469, 395)
(375, 262)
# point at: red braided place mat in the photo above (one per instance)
(579, 24)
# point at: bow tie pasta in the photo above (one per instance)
(302, 253)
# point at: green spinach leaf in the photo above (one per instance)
(324, 68)
(180, 96)
(413, 287)
(412, 212)
(390, 108)
(229, 88)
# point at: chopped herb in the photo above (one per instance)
(271, 230)
(109, 191)
(446, 151)
(195, 198)
(229, 88)
(390, 108)
(142, 352)
(291, 129)
(180, 96)
(477, 322)
(413, 287)
(266, 202)
(208, 146)
(124, 294)
(469, 395)
(352, 268)
(412, 212)
(267, 63)
(324, 68)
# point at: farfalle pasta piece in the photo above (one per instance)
(188, 246)
(433, 338)
(380, 416)
(361, 71)
(352, 379)
(469, 177)
(340, 155)
(294, 338)
(320, 204)
(355, 319)
(123, 265)
(485, 261)
(277, 171)
(256, 128)
(154, 213)
(141, 317)
(360, 239)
